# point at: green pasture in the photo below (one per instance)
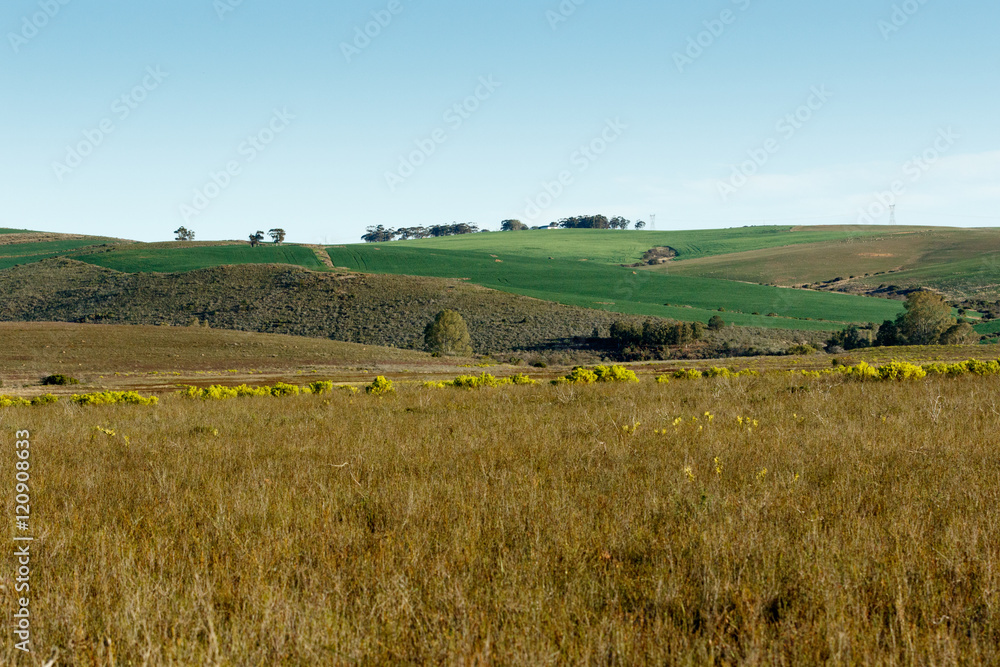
(627, 246)
(592, 284)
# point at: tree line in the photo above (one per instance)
(926, 320)
(383, 234)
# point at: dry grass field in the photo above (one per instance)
(772, 520)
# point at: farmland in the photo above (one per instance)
(592, 284)
(771, 519)
(745, 273)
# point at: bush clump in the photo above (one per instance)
(114, 398)
(59, 380)
(380, 386)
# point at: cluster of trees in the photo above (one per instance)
(927, 320)
(598, 222)
(277, 236)
(382, 234)
(653, 334)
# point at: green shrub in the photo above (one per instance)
(59, 380)
(687, 374)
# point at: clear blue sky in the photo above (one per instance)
(667, 122)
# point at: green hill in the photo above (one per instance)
(590, 283)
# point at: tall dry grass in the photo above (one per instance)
(522, 525)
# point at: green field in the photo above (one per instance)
(179, 258)
(627, 247)
(595, 285)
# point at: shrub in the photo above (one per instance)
(13, 402)
(715, 322)
(59, 380)
(283, 389)
(320, 387)
(522, 379)
(663, 379)
(380, 386)
(687, 374)
(716, 372)
(580, 375)
(614, 374)
(898, 370)
(44, 399)
(114, 398)
(801, 350)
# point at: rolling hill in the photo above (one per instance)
(743, 273)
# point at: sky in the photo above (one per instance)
(131, 118)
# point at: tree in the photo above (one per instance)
(184, 234)
(960, 334)
(448, 334)
(639, 224)
(927, 316)
(619, 222)
(277, 235)
(888, 335)
(850, 338)
(512, 226)
(256, 239)
(715, 323)
(379, 235)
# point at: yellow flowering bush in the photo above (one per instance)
(380, 386)
(114, 398)
(614, 374)
(13, 402)
(320, 387)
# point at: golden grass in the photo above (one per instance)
(854, 524)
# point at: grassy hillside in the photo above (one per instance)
(959, 262)
(174, 257)
(369, 309)
(628, 246)
(596, 285)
